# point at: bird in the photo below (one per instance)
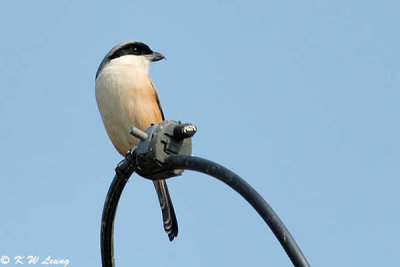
(126, 96)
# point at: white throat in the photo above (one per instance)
(132, 61)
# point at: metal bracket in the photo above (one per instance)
(157, 143)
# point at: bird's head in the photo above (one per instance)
(131, 52)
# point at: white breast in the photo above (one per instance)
(116, 87)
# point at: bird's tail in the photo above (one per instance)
(168, 213)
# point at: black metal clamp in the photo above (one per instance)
(158, 142)
(165, 151)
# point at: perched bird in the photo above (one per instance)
(126, 97)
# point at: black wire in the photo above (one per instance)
(123, 171)
(126, 168)
(245, 190)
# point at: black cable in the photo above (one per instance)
(123, 171)
(245, 190)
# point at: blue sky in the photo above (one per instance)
(300, 98)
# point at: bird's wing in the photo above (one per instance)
(157, 99)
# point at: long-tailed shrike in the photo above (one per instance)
(126, 97)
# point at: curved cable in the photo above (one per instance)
(123, 171)
(127, 167)
(245, 190)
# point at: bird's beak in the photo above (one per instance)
(155, 56)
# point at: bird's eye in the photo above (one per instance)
(135, 50)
